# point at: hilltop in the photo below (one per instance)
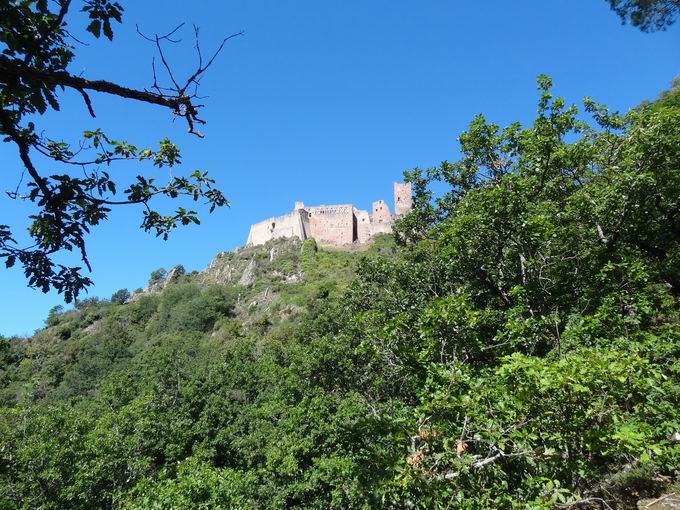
(514, 344)
(257, 290)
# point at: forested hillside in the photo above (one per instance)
(516, 344)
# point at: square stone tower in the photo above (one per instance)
(403, 198)
(381, 213)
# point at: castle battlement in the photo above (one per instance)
(336, 224)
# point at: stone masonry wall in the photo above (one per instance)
(403, 198)
(381, 212)
(381, 218)
(332, 224)
(363, 221)
(288, 225)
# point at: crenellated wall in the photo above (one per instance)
(337, 225)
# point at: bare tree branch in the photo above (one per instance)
(14, 69)
(202, 69)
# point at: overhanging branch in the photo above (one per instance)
(15, 69)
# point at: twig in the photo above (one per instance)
(165, 37)
(485, 462)
(201, 69)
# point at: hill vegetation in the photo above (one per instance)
(515, 345)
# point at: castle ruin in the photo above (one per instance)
(336, 225)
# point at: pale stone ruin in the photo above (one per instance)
(337, 225)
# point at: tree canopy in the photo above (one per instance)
(70, 183)
(647, 15)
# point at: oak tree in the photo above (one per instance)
(74, 191)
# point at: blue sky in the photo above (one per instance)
(325, 102)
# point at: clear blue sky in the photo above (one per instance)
(325, 102)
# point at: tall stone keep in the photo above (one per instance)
(403, 198)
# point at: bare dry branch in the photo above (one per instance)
(202, 69)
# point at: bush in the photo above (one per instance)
(157, 275)
(120, 297)
(53, 316)
(188, 307)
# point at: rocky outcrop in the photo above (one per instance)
(278, 259)
(159, 284)
(249, 274)
(174, 274)
(667, 502)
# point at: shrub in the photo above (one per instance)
(120, 297)
(157, 275)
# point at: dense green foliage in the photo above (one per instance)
(517, 347)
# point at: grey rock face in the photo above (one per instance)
(667, 502)
(248, 276)
(174, 274)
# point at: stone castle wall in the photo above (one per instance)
(288, 225)
(336, 225)
(403, 198)
(363, 220)
(381, 218)
(332, 224)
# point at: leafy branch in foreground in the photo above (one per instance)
(36, 49)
